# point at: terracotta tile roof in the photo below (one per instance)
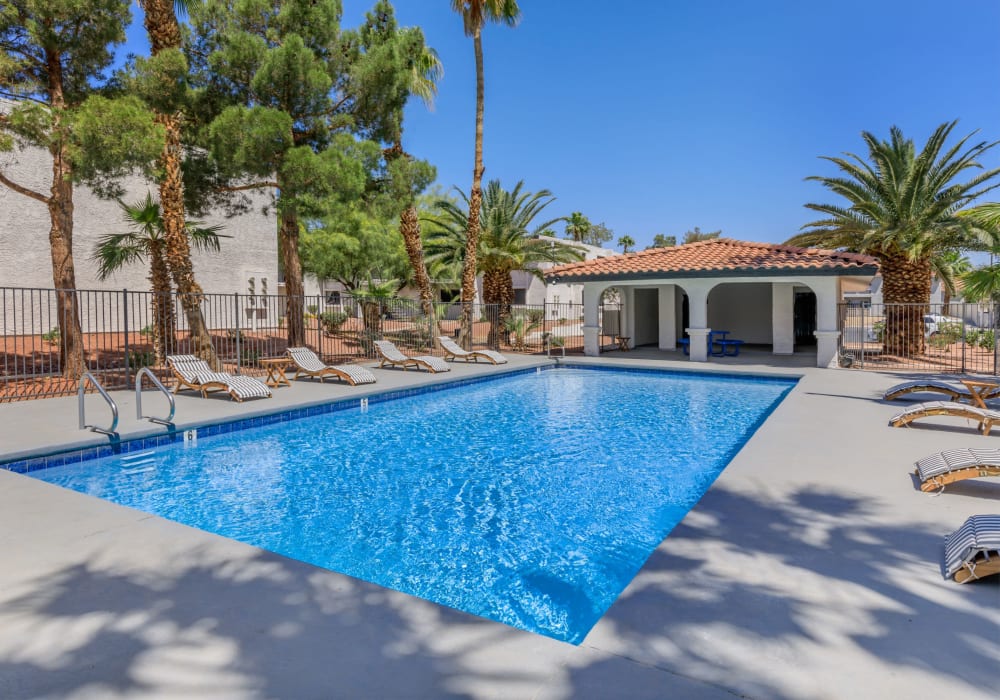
(716, 258)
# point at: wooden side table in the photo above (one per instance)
(276, 367)
(622, 341)
(979, 390)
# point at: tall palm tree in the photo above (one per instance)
(577, 226)
(147, 239)
(508, 241)
(475, 14)
(426, 72)
(164, 30)
(903, 207)
(626, 242)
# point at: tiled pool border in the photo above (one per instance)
(58, 458)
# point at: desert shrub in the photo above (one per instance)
(333, 320)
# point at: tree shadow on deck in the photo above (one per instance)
(780, 598)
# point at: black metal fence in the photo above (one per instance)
(124, 330)
(954, 338)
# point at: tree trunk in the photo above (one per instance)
(498, 295)
(177, 249)
(164, 323)
(409, 227)
(475, 204)
(288, 240)
(63, 271)
(906, 290)
(160, 21)
(60, 204)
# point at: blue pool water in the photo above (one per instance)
(532, 499)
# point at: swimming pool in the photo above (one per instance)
(531, 499)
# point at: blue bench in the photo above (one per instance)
(685, 344)
(727, 348)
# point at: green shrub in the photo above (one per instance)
(333, 320)
(52, 336)
(137, 359)
(535, 316)
(249, 357)
(146, 331)
(312, 308)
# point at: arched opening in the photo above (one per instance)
(611, 308)
(774, 317)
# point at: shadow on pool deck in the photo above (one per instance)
(749, 632)
(228, 620)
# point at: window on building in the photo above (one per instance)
(520, 296)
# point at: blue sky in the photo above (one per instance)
(656, 116)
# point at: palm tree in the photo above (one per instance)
(425, 74)
(903, 207)
(373, 299)
(508, 241)
(475, 14)
(626, 242)
(577, 226)
(164, 30)
(950, 265)
(147, 239)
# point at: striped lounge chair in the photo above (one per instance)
(194, 373)
(984, 416)
(389, 354)
(454, 351)
(943, 468)
(956, 392)
(973, 550)
(308, 364)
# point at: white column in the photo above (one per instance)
(783, 318)
(628, 314)
(699, 343)
(827, 335)
(826, 348)
(697, 292)
(591, 323)
(667, 306)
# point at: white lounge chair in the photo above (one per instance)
(956, 392)
(308, 363)
(194, 373)
(454, 351)
(943, 468)
(984, 416)
(389, 354)
(973, 550)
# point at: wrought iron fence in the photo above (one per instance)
(123, 331)
(942, 338)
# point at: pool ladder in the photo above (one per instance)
(146, 372)
(110, 430)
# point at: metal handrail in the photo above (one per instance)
(110, 401)
(145, 371)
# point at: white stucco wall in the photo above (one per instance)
(647, 323)
(251, 250)
(742, 309)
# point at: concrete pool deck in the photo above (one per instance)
(810, 569)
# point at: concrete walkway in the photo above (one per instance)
(810, 569)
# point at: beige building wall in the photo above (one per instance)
(250, 251)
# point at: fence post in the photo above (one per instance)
(128, 383)
(993, 320)
(236, 308)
